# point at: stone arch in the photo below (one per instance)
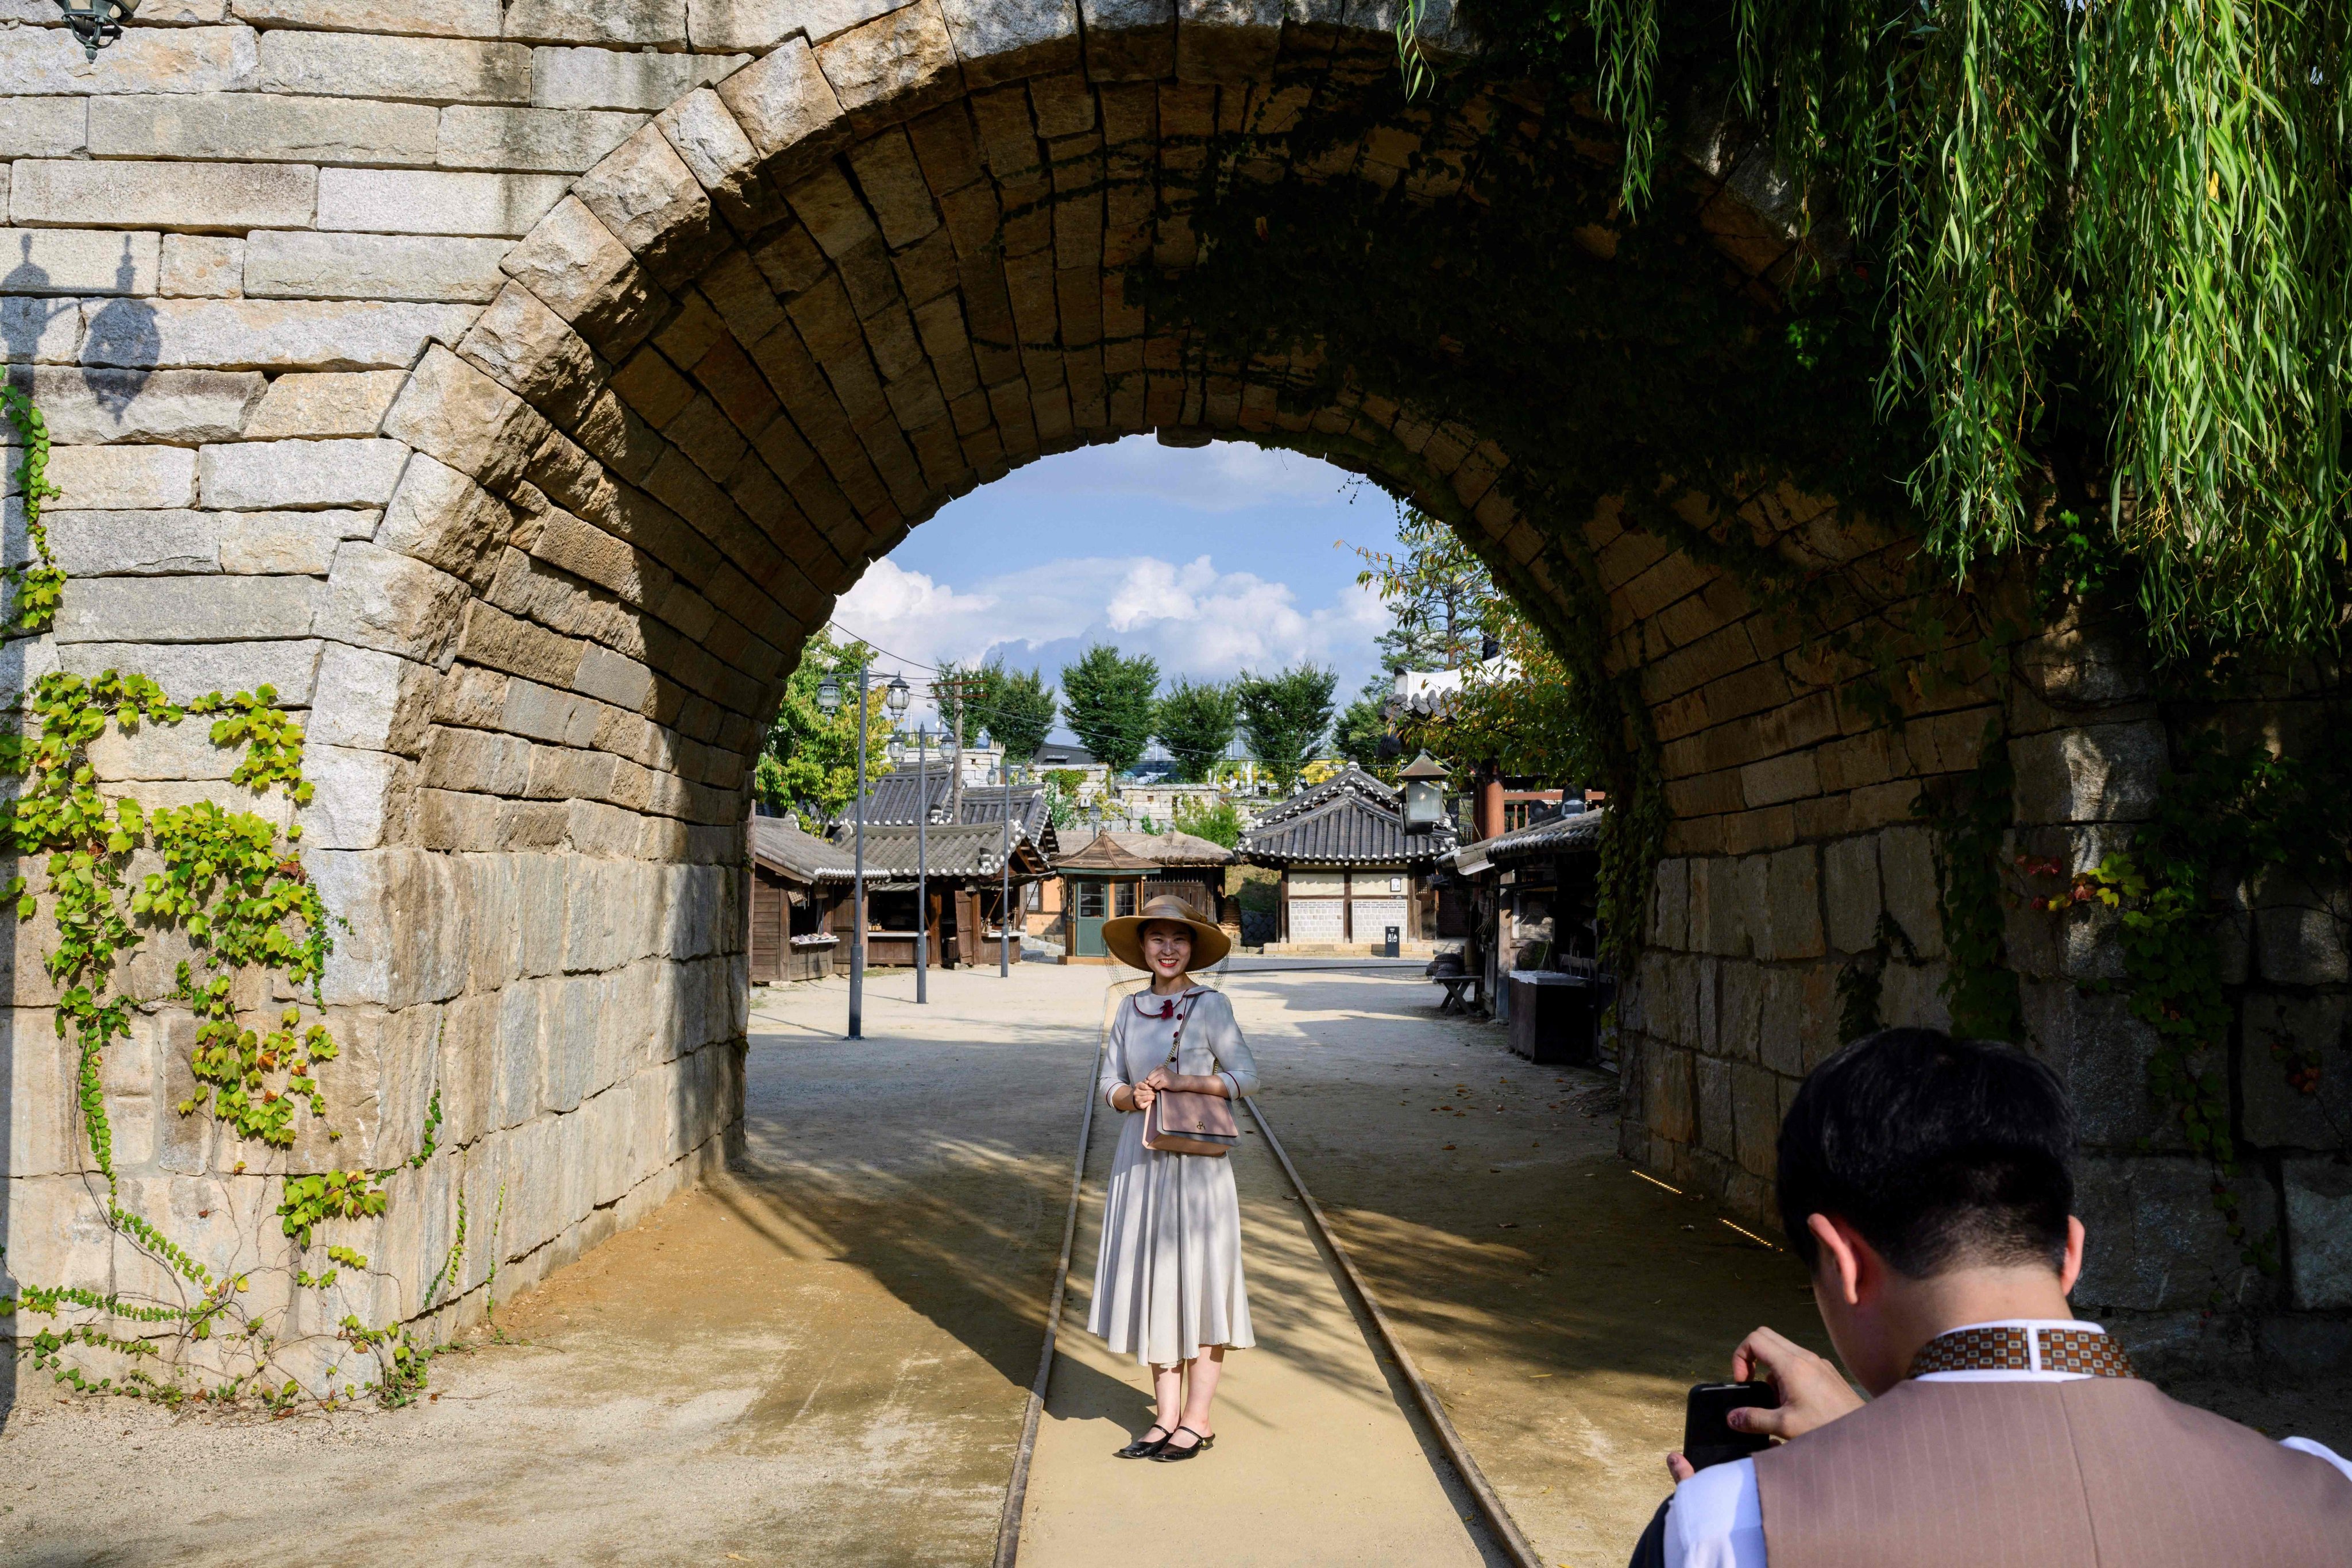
(803, 306)
(807, 305)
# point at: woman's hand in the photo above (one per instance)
(1141, 1094)
(1158, 1078)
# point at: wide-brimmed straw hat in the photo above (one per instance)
(1124, 936)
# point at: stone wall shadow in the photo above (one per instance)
(955, 1209)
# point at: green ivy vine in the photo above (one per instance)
(2225, 815)
(35, 586)
(236, 889)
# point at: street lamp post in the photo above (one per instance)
(828, 697)
(898, 699)
(97, 23)
(922, 874)
(1004, 868)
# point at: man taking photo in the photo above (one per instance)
(1925, 1181)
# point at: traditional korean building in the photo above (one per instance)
(1117, 873)
(962, 864)
(1350, 872)
(797, 881)
(891, 802)
(1535, 899)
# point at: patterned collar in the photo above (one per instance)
(2026, 1350)
(1157, 1006)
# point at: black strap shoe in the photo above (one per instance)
(1167, 1454)
(1146, 1447)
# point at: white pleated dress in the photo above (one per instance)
(1169, 1278)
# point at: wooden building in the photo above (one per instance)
(1535, 899)
(1117, 873)
(798, 880)
(1350, 872)
(890, 802)
(963, 876)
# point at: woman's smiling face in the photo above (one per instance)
(1167, 948)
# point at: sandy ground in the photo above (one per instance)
(824, 1359)
(1560, 1304)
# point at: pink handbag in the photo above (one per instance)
(1188, 1124)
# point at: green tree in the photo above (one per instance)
(1437, 593)
(1062, 796)
(1013, 708)
(808, 764)
(1219, 824)
(1196, 723)
(1106, 698)
(2100, 247)
(1284, 717)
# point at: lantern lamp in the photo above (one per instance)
(828, 696)
(97, 23)
(1424, 794)
(899, 694)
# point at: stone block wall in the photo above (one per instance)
(514, 389)
(1742, 991)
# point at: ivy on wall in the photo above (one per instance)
(234, 887)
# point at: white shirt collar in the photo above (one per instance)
(2033, 1343)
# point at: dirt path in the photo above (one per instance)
(822, 1360)
(1560, 1304)
(1318, 1461)
(825, 1359)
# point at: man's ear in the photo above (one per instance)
(1851, 1263)
(2071, 1269)
(1842, 1251)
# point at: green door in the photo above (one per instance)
(1091, 906)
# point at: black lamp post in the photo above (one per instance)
(97, 23)
(828, 697)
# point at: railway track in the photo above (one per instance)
(1453, 1455)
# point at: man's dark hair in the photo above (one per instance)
(1943, 1154)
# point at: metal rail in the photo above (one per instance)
(1016, 1492)
(1498, 1519)
(1474, 1480)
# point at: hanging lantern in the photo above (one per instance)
(97, 23)
(1424, 794)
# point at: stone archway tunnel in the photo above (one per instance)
(514, 391)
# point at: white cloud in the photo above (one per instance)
(1224, 476)
(1195, 620)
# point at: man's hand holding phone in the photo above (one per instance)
(1812, 1393)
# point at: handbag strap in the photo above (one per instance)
(1183, 1016)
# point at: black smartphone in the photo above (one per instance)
(1708, 1438)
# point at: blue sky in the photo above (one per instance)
(1211, 558)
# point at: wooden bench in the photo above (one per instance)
(1455, 985)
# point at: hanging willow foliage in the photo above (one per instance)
(2125, 220)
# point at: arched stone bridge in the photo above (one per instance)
(515, 388)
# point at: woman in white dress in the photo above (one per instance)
(1168, 1283)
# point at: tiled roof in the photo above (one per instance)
(890, 802)
(778, 842)
(1346, 829)
(1351, 780)
(949, 851)
(1578, 833)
